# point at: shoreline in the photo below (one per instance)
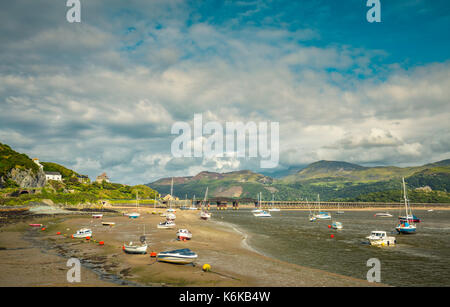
(223, 245)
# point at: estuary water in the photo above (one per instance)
(421, 259)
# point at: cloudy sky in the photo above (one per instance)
(103, 94)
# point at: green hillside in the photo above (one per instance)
(333, 180)
(10, 159)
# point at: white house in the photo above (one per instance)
(53, 176)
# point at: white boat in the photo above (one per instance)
(257, 210)
(273, 209)
(204, 215)
(108, 223)
(137, 248)
(383, 214)
(184, 234)
(337, 225)
(180, 256)
(311, 217)
(166, 224)
(380, 238)
(170, 210)
(135, 215)
(83, 233)
(171, 216)
(97, 216)
(262, 214)
(430, 210)
(339, 211)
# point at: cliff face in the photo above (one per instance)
(25, 178)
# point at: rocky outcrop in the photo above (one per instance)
(26, 178)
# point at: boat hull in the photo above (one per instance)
(135, 249)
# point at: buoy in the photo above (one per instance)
(88, 238)
(152, 254)
(332, 236)
(123, 247)
(101, 243)
(43, 228)
(58, 233)
(206, 267)
(71, 236)
(329, 226)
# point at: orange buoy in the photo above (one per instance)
(332, 236)
(71, 236)
(43, 228)
(123, 247)
(88, 238)
(101, 243)
(152, 254)
(329, 226)
(58, 233)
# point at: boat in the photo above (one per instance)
(137, 248)
(184, 234)
(430, 210)
(166, 224)
(322, 215)
(406, 226)
(205, 215)
(180, 256)
(135, 215)
(311, 216)
(171, 216)
(337, 225)
(170, 210)
(83, 233)
(274, 209)
(108, 223)
(383, 214)
(97, 216)
(263, 213)
(339, 211)
(380, 238)
(36, 225)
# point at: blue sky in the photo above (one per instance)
(341, 88)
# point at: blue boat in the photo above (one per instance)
(180, 256)
(406, 226)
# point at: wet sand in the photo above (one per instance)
(32, 257)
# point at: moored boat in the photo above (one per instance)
(97, 216)
(383, 214)
(179, 256)
(134, 215)
(36, 225)
(406, 226)
(409, 218)
(108, 223)
(263, 213)
(380, 238)
(184, 234)
(133, 248)
(337, 225)
(166, 224)
(83, 233)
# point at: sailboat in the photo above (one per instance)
(261, 213)
(193, 207)
(258, 204)
(322, 215)
(273, 209)
(339, 211)
(312, 216)
(406, 226)
(133, 248)
(204, 215)
(135, 215)
(170, 201)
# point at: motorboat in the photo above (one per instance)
(166, 224)
(323, 216)
(274, 210)
(337, 225)
(108, 223)
(179, 256)
(36, 225)
(380, 238)
(83, 233)
(383, 214)
(263, 213)
(134, 215)
(184, 234)
(97, 216)
(257, 210)
(171, 216)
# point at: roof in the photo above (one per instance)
(52, 173)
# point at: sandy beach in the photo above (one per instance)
(32, 257)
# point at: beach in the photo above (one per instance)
(34, 257)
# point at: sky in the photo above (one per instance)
(102, 95)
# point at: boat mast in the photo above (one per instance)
(204, 200)
(318, 199)
(405, 198)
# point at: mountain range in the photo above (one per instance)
(333, 180)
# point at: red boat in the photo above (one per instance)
(409, 219)
(36, 225)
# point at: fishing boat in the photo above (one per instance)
(337, 225)
(322, 215)
(380, 238)
(406, 226)
(263, 213)
(179, 256)
(205, 215)
(184, 234)
(83, 233)
(97, 216)
(108, 223)
(166, 224)
(137, 248)
(383, 214)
